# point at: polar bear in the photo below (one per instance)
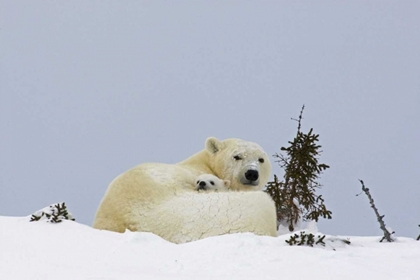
(162, 198)
(197, 215)
(207, 182)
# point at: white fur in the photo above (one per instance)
(205, 214)
(162, 198)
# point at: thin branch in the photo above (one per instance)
(299, 120)
(387, 234)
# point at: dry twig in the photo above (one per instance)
(387, 234)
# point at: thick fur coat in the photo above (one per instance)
(163, 198)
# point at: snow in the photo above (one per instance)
(69, 250)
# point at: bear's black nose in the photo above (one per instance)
(202, 184)
(251, 175)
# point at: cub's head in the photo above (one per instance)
(209, 182)
(244, 164)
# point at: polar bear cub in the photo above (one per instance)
(209, 182)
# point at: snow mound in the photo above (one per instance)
(70, 250)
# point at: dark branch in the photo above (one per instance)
(387, 234)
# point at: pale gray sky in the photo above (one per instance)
(91, 88)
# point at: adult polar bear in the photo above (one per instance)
(162, 198)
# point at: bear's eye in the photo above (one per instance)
(261, 160)
(197, 182)
(211, 182)
(237, 157)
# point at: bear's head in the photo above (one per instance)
(209, 182)
(244, 164)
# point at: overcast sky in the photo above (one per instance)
(90, 89)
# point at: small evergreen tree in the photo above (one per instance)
(418, 237)
(306, 239)
(296, 197)
(54, 213)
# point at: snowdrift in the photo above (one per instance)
(69, 250)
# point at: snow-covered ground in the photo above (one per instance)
(69, 250)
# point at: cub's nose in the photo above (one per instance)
(251, 175)
(202, 184)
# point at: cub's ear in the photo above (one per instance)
(227, 183)
(213, 145)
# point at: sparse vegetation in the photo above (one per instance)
(295, 197)
(54, 214)
(306, 239)
(387, 235)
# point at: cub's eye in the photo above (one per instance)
(261, 160)
(237, 157)
(211, 182)
(197, 182)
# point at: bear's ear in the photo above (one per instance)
(227, 183)
(213, 145)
